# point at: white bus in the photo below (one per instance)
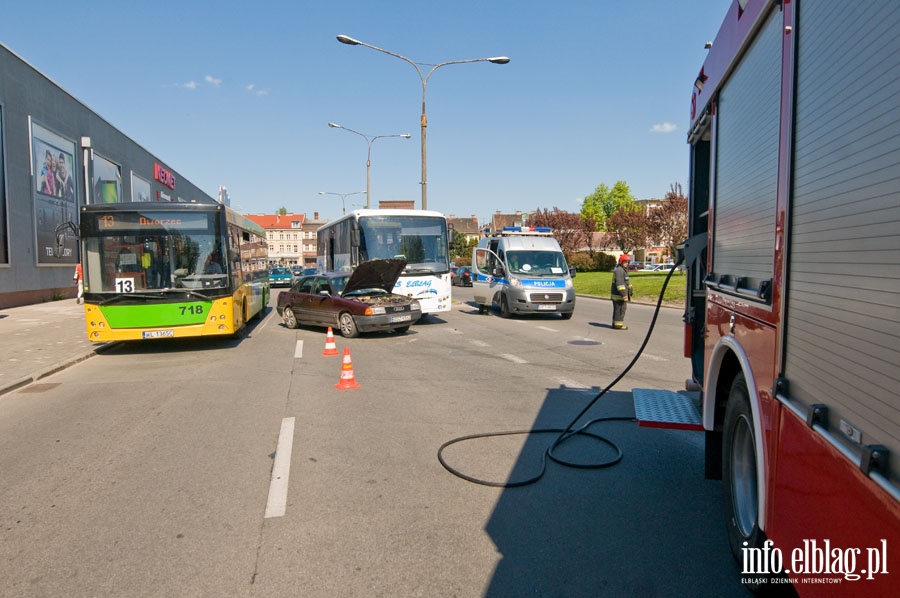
(419, 236)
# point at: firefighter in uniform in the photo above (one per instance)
(621, 292)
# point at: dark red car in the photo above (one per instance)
(355, 302)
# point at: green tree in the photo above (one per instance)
(604, 202)
(282, 211)
(461, 249)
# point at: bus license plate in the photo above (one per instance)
(157, 333)
(546, 307)
(403, 318)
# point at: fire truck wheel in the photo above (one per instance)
(739, 471)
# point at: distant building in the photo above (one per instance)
(223, 196)
(286, 237)
(398, 204)
(465, 226)
(498, 221)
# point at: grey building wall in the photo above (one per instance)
(37, 113)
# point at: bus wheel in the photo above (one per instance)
(739, 471)
(290, 320)
(504, 307)
(348, 326)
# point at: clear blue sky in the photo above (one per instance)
(240, 94)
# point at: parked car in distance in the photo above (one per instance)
(461, 276)
(353, 303)
(658, 267)
(280, 277)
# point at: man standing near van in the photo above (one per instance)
(621, 292)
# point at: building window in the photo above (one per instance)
(107, 184)
(140, 188)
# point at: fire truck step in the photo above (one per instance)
(656, 408)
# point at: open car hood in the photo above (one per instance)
(378, 274)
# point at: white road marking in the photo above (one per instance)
(478, 343)
(278, 487)
(548, 329)
(298, 350)
(512, 358)
(653, 357)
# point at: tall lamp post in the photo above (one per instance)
(343, 196)
(370, 139)
(424, 78)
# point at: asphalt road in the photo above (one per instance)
(148, 470)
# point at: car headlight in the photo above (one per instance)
(376, 311)
(569, 283)
(415, 306)
(515, 281)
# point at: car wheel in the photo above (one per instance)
(290, 320)
(348, 326)
(567, 315)
(739, 471)
(402, 329)
(504, 307)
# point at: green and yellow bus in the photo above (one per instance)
(164, 270)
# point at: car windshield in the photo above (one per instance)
(339, 282)
(281, 271)
(536, 262)
(366, 291)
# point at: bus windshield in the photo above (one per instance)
(128, 252)
(421, 240)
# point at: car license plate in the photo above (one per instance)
(403, 318)
(546, 307)
(157, 333)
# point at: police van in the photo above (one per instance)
(522, 270)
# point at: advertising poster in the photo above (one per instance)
(55, 201)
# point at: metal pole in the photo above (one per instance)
(344, 39)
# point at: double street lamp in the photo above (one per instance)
(370, 139)
(343, 196)
(424, 78)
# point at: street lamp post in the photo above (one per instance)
(370, 139)
(343, 196)
(424, 78)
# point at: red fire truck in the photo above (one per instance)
(793, 305)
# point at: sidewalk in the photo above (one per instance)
(37, 340)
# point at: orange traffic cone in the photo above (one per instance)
(347, 380)
(330, 347)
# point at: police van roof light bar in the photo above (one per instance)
(525, 230)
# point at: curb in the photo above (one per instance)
(40, 374)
